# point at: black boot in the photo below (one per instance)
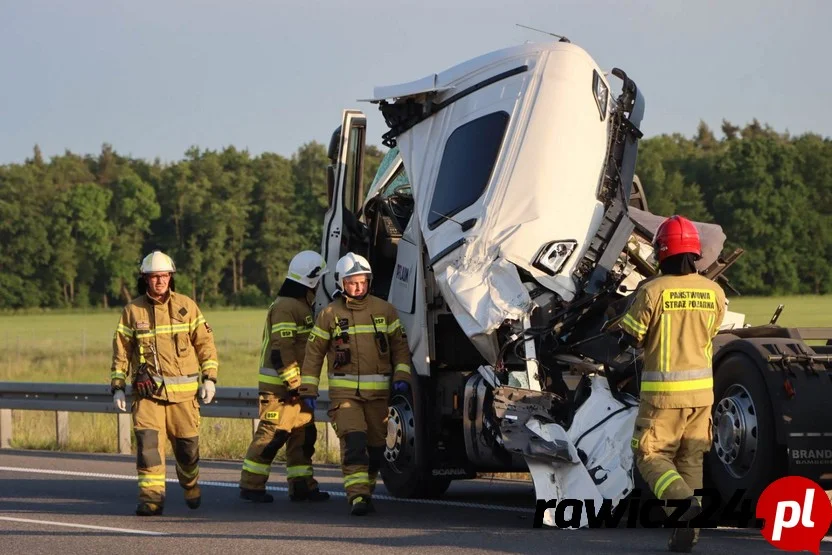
(299, 491)
(682, 540)
(359, 506)
(193, 497)
(256, 496)
(149, 509)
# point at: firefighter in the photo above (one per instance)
(283, 418)
(365, 344)
(675, 316)
(163, 343)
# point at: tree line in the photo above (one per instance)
(74, 229)
(770, 192)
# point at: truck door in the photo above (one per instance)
(343, 231)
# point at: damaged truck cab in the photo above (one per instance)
(508, 228)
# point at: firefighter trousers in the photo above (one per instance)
(154, 421)
(670, 447)
(281, 423)
(361, 427)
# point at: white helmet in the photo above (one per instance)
(306, 268)
(157, 261)
(351, 264)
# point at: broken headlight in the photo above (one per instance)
(554, 255)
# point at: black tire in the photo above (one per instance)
(741, 398)
(401, 472)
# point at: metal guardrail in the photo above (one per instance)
(63, 398)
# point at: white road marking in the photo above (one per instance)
(87, 526)
(235, 485)
(825, 539)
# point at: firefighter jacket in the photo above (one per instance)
(676, 319)
(172, 338)
(284, 344)
(364, 344)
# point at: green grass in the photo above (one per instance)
(77, 347)
(805, 311)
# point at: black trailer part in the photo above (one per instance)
(771, 415)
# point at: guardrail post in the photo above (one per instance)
(331, 439)
(62, 428)
(5, 428)
(124, 428)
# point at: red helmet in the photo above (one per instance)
(677, 235)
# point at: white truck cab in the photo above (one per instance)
(508, 228)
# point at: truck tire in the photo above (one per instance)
(744, 450)
(406, 445)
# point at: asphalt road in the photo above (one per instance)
(82, 504)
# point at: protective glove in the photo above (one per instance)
(119, 402)
(401, 387)
(144, 384)
(207, 391)
(310, 402)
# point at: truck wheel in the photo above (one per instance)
(743, 453)
(401, 475)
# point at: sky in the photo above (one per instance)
(153, 78)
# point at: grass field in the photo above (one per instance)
(76, 347)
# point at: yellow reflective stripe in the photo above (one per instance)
(210, 363)
(181, 379)
(298, 471)
(402, 368)
(356, 478)
(193, 325)
(303, 330)
(394, 326)
(124, 330)
(290, 373)
(664, 481)
(318, 332)
(284, 326)
(192, 474)
(685, 385)
(118, 376)
(664, 343)
(359, 329)
(264, 347)
(182, 387)
(164, 329)
(310, 380)
(709, 351)
(256, 468)
(634, 324)
(151, 480)
(353, 384)
(274, 380)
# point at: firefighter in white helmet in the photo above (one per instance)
(165, 346)
(283, 418)
(366, 347)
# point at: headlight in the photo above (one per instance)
(554, 255)
(601, 93)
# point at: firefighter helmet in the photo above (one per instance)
(307, 268)
(676, 235)
(351, 264)
(157, 261)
